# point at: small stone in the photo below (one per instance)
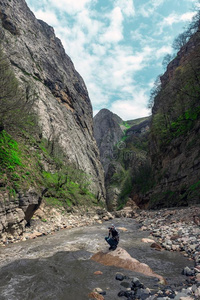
(97, 296)
(156, 246)
(98, 290)
(98, 273)
(119, 276)
(197, 293)
(187, 271)
(146, 240)
(122, 228)
(136, 283)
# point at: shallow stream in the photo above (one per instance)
(58, 267)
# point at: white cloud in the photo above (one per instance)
(150, 7)
(114, 33)
(129, 110)
(48, 16)
(127, 7)
(162, 51)
(175, 18)
(71, 6)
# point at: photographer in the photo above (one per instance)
(113, 237)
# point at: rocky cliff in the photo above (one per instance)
(108, 133)
(60, 101)
(123, 149)
(175, 132)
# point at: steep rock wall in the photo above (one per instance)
(60, 96)
(175, 132)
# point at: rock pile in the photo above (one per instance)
(134, 289)
(177, 230)
(137, 290)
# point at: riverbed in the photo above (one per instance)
(58, 266)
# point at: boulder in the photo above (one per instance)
(121, 258)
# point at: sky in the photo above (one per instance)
(117, 46)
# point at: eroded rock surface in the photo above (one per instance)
(121, 258)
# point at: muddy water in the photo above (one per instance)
(58, 267)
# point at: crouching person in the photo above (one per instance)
(113, 238)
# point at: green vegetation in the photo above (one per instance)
(125, 124)
(143, 178)
(178, 116)
(9, 152)
(185, 122)
(22, 168)
(67, 187)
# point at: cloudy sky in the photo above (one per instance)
(117, 45)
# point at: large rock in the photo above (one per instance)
(121, 258)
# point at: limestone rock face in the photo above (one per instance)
(60, 96)
(15, 212)
(121, 258)
(107, 132)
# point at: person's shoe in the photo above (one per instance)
(112, 248)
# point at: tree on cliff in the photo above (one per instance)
(14, 105)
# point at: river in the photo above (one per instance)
(58, 266)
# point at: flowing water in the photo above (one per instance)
(58, 267)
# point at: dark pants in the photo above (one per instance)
(111, 241)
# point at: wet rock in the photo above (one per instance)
(126, 294)
(98, 273)
(121, 258)
(99, 291)
(142, 293)
(187, 271)
(136, 283)
(119, 277)
(121, 294)
(95, 295)
(156, 246)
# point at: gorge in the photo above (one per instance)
(65, 176)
